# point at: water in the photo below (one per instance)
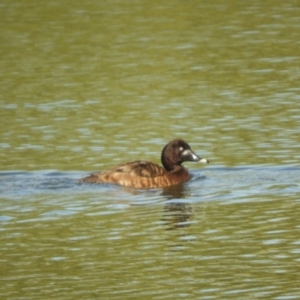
(85, 86)
(230, 232)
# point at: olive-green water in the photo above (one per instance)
(85, 85)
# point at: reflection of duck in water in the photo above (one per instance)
(177, 215)
(144, 174)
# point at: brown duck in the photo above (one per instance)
(144, 174)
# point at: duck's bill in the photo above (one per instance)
(191, 156)
(203, 160)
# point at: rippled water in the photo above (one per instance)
(230, 232)
(85, 86)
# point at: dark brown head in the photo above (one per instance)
(176, 152)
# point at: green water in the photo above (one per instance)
(85, 85)
(82, 82)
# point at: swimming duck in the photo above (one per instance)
(144, 174)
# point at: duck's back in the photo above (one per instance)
(140, 174)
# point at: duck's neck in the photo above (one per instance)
(169, 164)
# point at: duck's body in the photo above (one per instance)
(144, 174)
(140, 174)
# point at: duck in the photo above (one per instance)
(143, 174)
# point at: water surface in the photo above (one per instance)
(85, 86)
(230, 232)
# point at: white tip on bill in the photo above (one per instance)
(204, 160)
